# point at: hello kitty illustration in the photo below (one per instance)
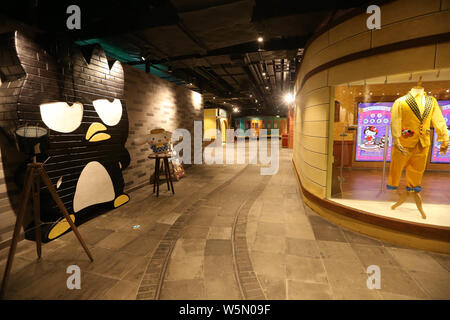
(370, 133)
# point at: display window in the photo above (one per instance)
(389, 139)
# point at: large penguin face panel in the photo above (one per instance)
(79, 96)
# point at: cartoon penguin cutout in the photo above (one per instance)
(78, 95)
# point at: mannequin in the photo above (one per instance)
(411, 118)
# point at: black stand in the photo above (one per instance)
(34, 175)
(165, 167)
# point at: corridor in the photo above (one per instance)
(227, 233)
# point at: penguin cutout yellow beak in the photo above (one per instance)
(95, 133)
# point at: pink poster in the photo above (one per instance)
(370, 140)
(435, 156)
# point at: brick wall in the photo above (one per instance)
(151, 103)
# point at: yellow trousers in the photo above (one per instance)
(414, 161)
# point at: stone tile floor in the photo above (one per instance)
(227, 233)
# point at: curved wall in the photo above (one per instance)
(414, 36)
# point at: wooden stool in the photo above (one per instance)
(165, 166)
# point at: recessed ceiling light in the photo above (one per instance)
(289, 98)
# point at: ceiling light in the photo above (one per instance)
(289, 98)
(256, 100)
(260, 39)
(264, 74)
(251, 96)
(143, 58)
(214, 98)
(267, 87)
(235, 109)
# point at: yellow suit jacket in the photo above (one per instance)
(416, 114)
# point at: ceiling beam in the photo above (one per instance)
(288, 43)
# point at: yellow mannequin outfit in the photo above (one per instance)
(411, 118)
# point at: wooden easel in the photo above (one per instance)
(34, 175)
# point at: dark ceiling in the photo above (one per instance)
(208, 45)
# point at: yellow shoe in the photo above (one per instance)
(59, 228)
(121, 200)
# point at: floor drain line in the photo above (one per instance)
(154, 275)
(248, 282)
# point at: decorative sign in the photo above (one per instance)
(435, 156)
(370, 139)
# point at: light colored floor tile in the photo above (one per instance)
(305, 269)
(299, 290)
(415, 260)
(185, 269)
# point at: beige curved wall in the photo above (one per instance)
(400, 21)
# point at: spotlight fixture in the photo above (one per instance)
(264, 74)
(267, 87)
(288, 98)
(260, 39)
(235, 109)
(214, 98)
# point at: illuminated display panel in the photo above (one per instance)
(435, 156)
(372, 121)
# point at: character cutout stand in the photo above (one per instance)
(159, 141)
(412, 116)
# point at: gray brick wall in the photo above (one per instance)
(151, 103)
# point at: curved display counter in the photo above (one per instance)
(349, 74)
